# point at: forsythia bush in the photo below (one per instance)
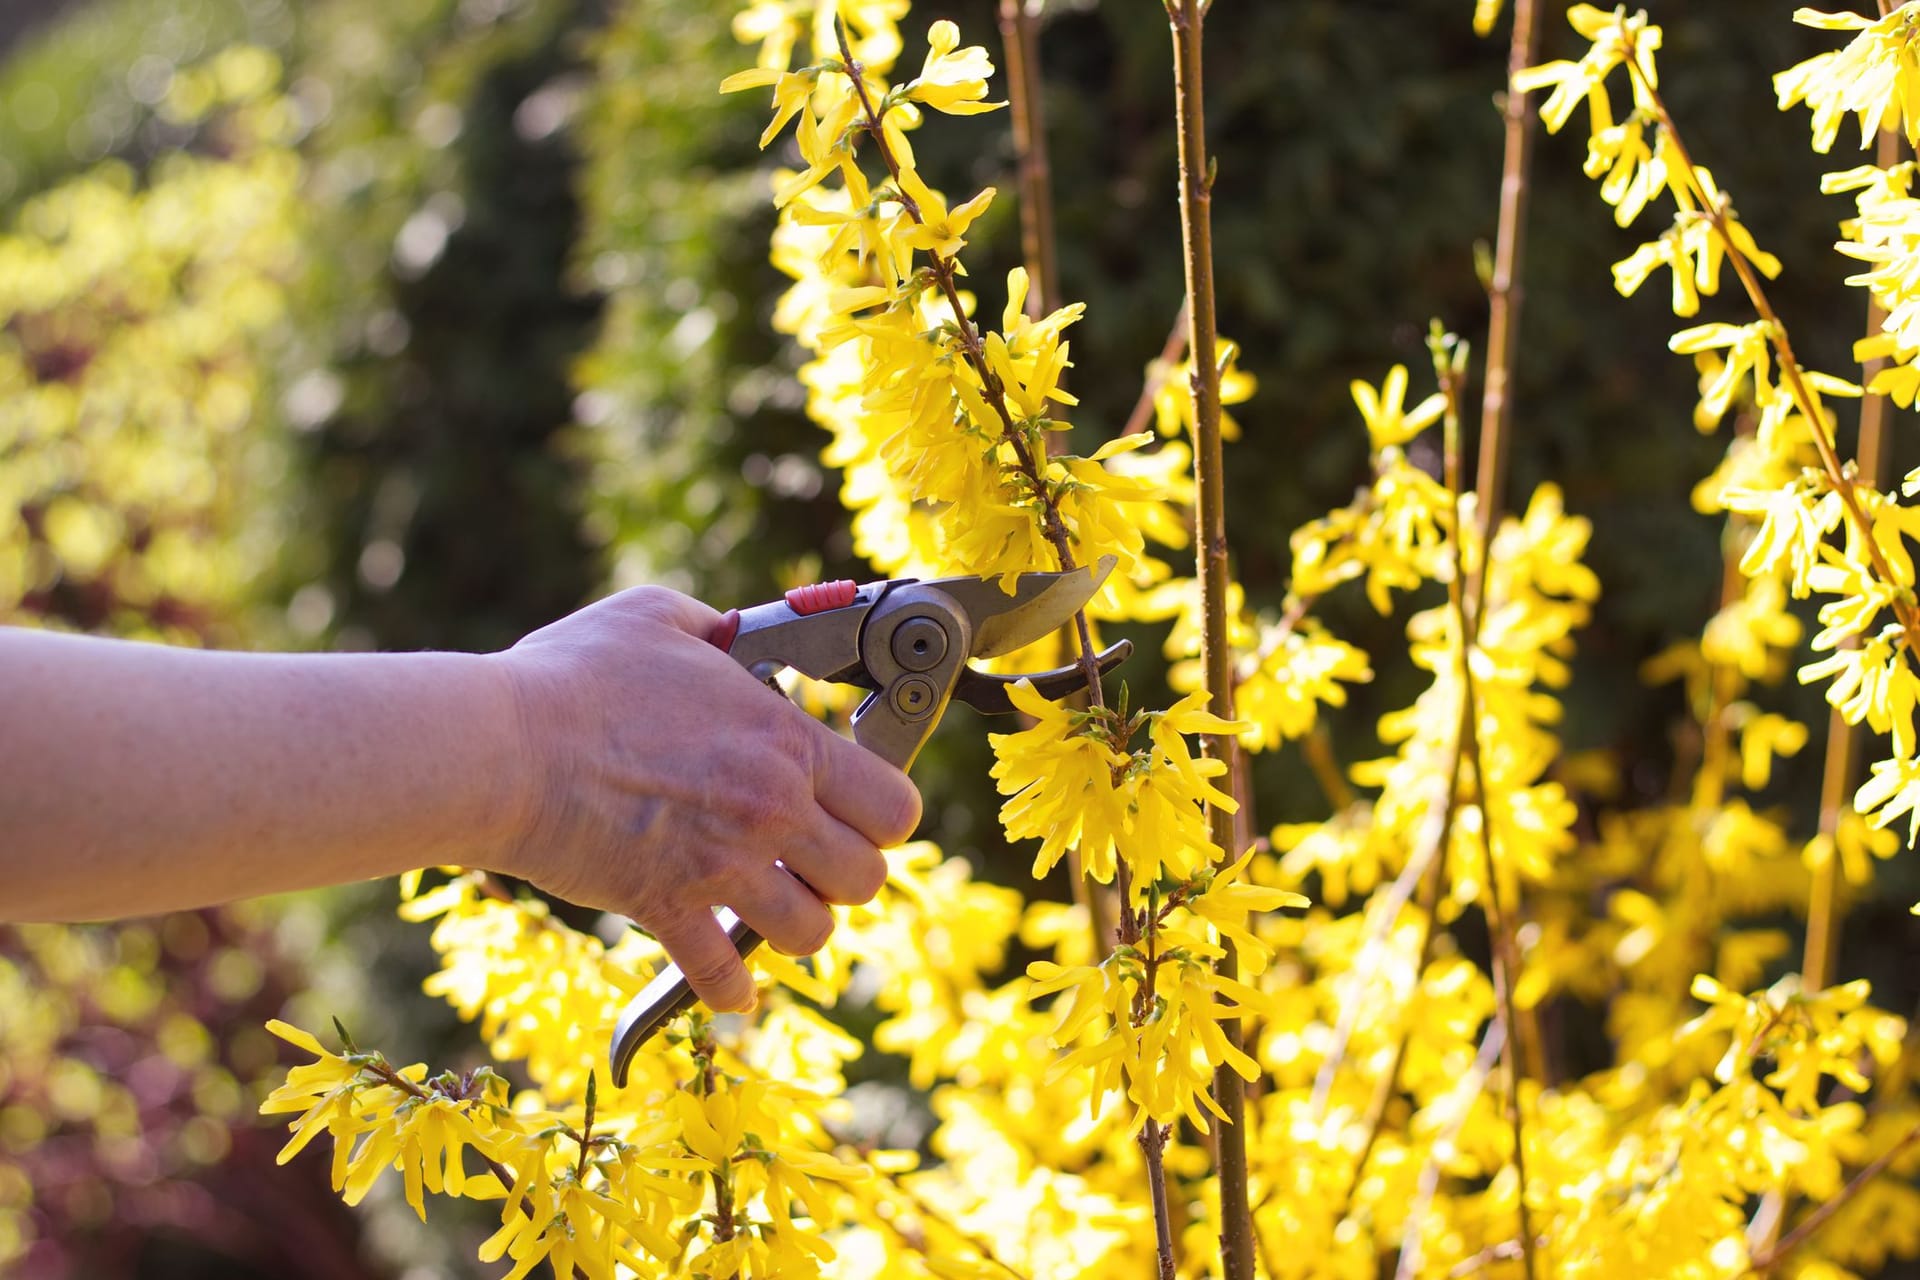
(1404, 1107)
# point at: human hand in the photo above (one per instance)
(666, 780)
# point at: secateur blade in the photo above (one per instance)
(1040, 603)
(987, 694)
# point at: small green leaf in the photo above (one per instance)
(346, 1041)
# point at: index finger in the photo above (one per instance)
(865, 792)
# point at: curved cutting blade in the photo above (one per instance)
(1039, 603)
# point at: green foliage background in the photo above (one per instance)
(529, 354)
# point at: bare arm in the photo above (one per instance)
(614, 758)
(137, 778)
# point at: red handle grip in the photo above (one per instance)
(821, 596)
(725, 630)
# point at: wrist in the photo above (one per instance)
(506, 775)
(526, 760)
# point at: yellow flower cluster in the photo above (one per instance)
(943, 431)
(601, 1183)
(940, 428)
(1870, 79)
(1784, 471)
(1146, 1020)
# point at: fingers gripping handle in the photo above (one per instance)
(667, 997)
(916, 674)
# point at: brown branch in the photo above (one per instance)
(1505, 1251)
(1767, 1261)
(1032, 462)
(1295, 613)
(722, 1176)
(1840, 775)
(1389, 1081)
(1020, 36)
(1019, 30)
(1136, 927)
(1433, 838)
(935, 1216)
(1153, 1144)
(385, 1072)
(1210, 551)
(1499, 919)
(1317, 747)
(1170, 353)
(1408, 1266)
(1715, 211)
(1504, 289)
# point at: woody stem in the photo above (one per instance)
(1029, 449)
(1185, 19)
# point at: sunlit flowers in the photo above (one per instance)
(1870, 79)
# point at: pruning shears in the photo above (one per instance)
(908, 640)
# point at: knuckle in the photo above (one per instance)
(763, 810)
(794, 735)
(651, 601)
(663, 609)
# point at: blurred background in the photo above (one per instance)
(411, 324)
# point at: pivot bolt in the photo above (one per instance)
(913, 697)
(919, 644)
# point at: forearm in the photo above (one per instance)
(138, 778)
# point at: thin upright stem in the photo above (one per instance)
(722, 1176)
(1500, 920)
(1504, 290)
(585, 1136)
(1428, 1185)
(1137, 927)
(1170, 352)
(1153, 1142)
(930, 1214)
(1389, 1082)
(1020, 37)
(1317, 747)
(1505, 970)
(1383, 912)
(1844, 740)
(1185, 18)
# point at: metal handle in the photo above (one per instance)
(666, 997)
